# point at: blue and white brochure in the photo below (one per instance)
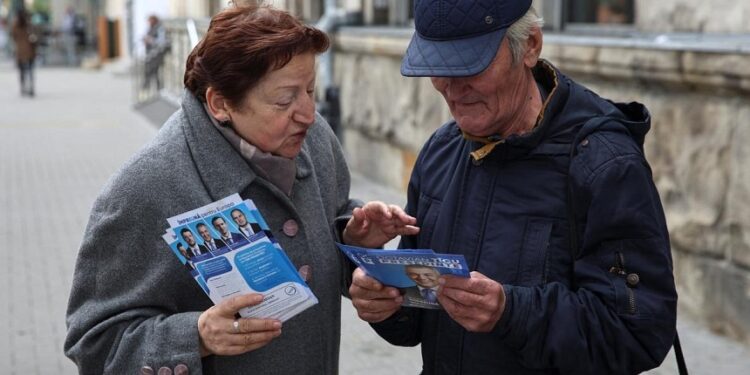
(227, 261)
(414, 272)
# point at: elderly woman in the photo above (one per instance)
(248, 125)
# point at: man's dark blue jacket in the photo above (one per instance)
(608, 306)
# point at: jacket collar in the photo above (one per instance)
(548, 77)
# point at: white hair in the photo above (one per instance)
(518, 33)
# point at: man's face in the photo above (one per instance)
(205, 234)
(239, 218)
(426, 277)
(188, 237)
(490, 102)
(221, 226)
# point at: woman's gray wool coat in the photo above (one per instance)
(133, 304)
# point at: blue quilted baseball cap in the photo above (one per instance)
(458, 38)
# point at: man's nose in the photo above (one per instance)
(452, 87)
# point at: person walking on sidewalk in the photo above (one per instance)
(69, 37)
(544, 187)
(157, 45)
(25, 40)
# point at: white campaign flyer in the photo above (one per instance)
(229, 250)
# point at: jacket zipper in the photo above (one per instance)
(619, 270)
(631, 300)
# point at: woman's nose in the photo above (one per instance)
(305, 114)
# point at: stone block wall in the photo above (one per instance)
(700, 103)
(716, 16)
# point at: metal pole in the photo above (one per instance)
(329, 108)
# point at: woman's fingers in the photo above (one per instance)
(230, 307)
(249, 325)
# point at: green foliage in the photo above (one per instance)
(40, 6)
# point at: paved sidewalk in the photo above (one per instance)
(58, 149)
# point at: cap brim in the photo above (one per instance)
(450, 58)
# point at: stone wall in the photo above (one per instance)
(716, 16)
(699, 97)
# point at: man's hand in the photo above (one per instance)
(374, 301)
(476, 303)
(376, 223)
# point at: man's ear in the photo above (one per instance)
(217, 105)
(533, 48)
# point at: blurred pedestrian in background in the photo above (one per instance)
(157, 45)
(25, 40)
(3, 36)
(69, 37)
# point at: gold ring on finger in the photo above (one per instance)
(236, 326)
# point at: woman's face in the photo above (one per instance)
(276, 114)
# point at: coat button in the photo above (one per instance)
(181, 369)
(305, 272)
(633, 279)
(164, 371)
(291, 228)
(585, 142)
(147, 370)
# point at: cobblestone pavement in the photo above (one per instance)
(57, 150)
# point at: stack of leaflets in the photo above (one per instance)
(414, 272)
(229, 250)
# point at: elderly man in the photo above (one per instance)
(543, 186)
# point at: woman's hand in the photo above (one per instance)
(374, 301)
(219, 334)
(376, 223)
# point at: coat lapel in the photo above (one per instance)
(222, 169)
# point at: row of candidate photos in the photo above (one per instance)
(216, 235)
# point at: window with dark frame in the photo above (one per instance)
(600, 12)
(575, 15)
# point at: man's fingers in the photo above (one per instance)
(375, 317)
(371, 294)
(463, 297)
(374, 306)
(480, 285)
(361, 280)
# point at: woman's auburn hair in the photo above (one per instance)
(244, 43)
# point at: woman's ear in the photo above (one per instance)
(533, 48)
(217, 105)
